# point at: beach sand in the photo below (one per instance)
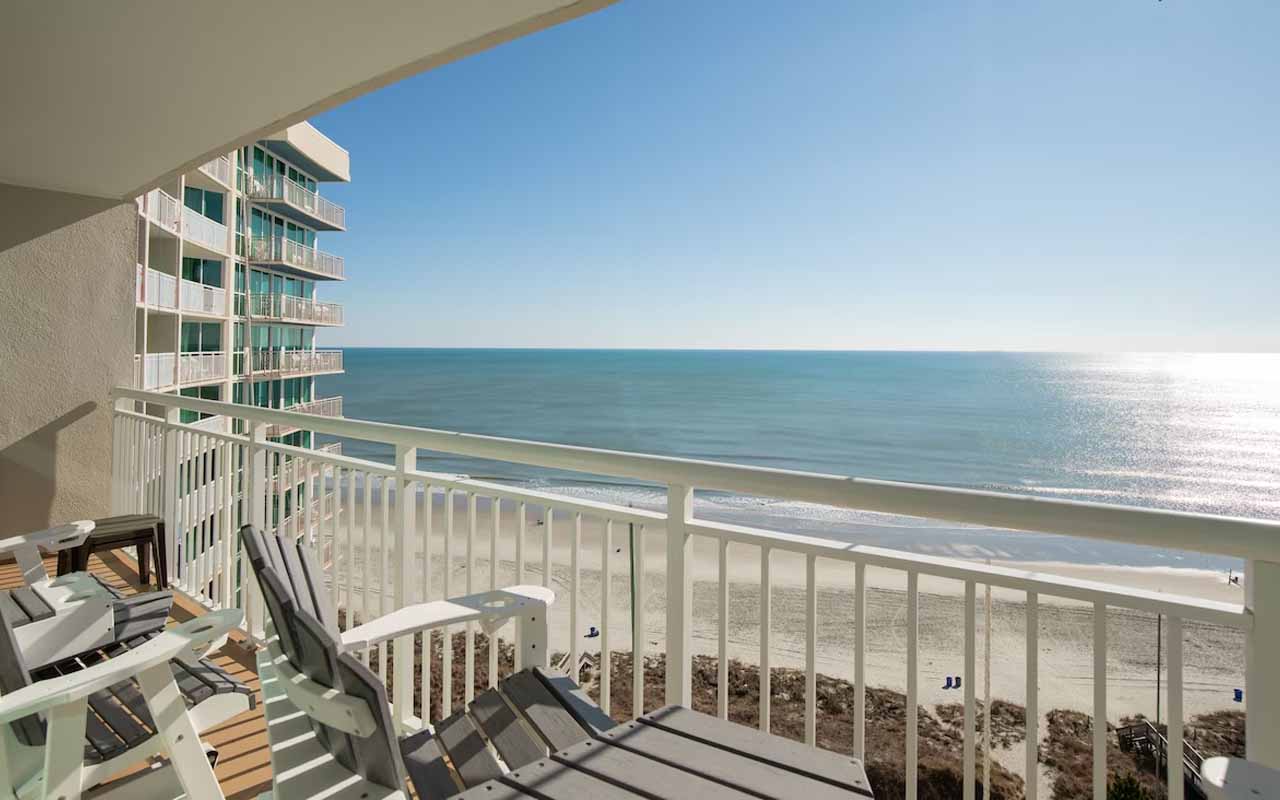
(1213, 655)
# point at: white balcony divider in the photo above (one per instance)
(161, 290)
(140, 285)
(288, 308)
(296, 362)
(278, 188)
(198, 228)
(163, 210)
(202, 367)
(372, 568)
(275, 250)
(203, 299)
(155, 370)
(219, 169)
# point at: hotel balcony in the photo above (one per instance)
(164, 210)
(219, 171)
(198, 298)
(325, 407)
(300, 310)
(206, 234)
(156, 290)
(675, 552)
(291, 256)
(160, 371)
(291, 199)
(269, 364)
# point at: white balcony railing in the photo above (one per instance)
(288, 308)
(325, 407)
(371, 575)
(202, 299)
(275, 250)
(161, 290)
(164, 210)
(154, 370)
(295, 362)
(202, 367)
(278, 188)
(198, 228)
(219, 169)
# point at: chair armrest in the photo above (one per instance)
(487, 608)
(50, 540)
(26, 547)
(47, 694)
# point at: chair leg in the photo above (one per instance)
(144, 559)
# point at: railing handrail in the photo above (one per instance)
(1231, 536)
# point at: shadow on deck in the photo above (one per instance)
(244, 762)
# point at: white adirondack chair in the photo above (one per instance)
(43, 752)
(345, 741)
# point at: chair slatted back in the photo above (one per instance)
(314, 649)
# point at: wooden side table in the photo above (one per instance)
(143, 531)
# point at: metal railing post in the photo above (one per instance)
(256, 485)
(172, 490)
(405, 528)
(1262, 663)
(679, 595)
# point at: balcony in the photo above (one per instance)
(292, 256)
(157, 290)
(203, 232)
(267, 364)
(291, 199)
(154, 370)
(683, 560)
(300, 310)
(202, 367)
(164, 210)
(197, 298)
(325, 407)
(219, 169)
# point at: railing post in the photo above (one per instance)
(405, 527)
(256, 486)
(172, 490)
(1262, 659)
(679, 595)
(119, 469)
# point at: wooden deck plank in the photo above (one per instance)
(549, 779)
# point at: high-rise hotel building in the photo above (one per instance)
(229, 268)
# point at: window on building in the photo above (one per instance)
(202, 270)
(210, 204)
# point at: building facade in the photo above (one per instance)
(229, 274)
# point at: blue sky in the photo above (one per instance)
(942, 175)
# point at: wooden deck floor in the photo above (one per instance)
(244, 763)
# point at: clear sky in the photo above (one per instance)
(1067, 174)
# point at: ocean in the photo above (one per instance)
(1191, 432)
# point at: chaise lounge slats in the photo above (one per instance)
(794, 756)
(13, 614)
(617, 766)
(721, 766)
(513, 742)
(574, 700)
(538, 705)
(545, 778)
(465, 747)
(424, 761)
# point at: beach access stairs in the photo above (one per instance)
(1146, 739)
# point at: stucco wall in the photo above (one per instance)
(66, 338)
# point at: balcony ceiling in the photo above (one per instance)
(111, 99)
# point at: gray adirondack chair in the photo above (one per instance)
(346, 737)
